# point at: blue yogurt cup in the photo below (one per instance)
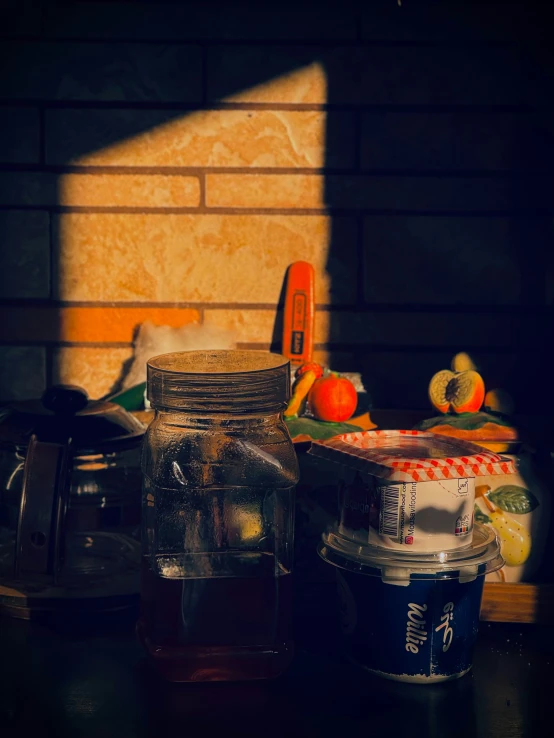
(411, 617)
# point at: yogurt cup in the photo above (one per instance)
(411, 617)
(408, 490)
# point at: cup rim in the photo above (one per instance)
(480, 557)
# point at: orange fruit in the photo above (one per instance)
(333, 398)
(462, 392)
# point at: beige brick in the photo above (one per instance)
(199, 258)
(444, 141)
(439, 75)
(97, 370)
(337, 328)
(443, 22)
(246, 325)
(286, 74)
(416, 329)
(217, 138)
(98, 190)
(450, 194)
(22, 372)
(422, 194)
(24, 254)
(133, 190)
(28, 188)
(234, 74)
(194, 20)
(19, 135)
(394, 329)
(442, 260)
(265, 190)
(106, 72)
(87, 324)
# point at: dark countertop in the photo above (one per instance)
(98, 684)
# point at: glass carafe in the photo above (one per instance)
(70, 503)
(219, 471)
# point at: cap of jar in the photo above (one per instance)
(219, 381)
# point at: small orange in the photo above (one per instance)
(333, 398)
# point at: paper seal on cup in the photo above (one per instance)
(408, 489)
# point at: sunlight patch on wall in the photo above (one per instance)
(206, 138)
(305, 85)
(219, 251)
(128, 190)
(234, 259)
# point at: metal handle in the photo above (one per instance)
(39, 540)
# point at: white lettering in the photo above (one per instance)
(416, 635)
(411, 522)
(448, 632)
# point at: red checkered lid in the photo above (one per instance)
(411, 455)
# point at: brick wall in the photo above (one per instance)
(167, 161)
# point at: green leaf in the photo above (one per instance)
(130, 399)
(513, 499)
(464, 421)
(480, 516)
(317, 429)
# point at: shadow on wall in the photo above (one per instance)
(438, 148)
(453, 184)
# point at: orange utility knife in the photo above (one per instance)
(298, 322)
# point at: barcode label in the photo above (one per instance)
(389, 517)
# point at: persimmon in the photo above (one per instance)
(333, 398)
(462, 392)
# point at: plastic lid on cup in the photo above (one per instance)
(397, 567)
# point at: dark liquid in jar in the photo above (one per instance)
(216, 617)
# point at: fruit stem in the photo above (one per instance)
(481, 490)
(488, 503)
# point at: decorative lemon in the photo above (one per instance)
(463, 362)
(499, 401)
(249, 524)
(516, 541)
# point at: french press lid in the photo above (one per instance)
(65, 412)
(51, 431)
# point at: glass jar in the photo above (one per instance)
(219, 471)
